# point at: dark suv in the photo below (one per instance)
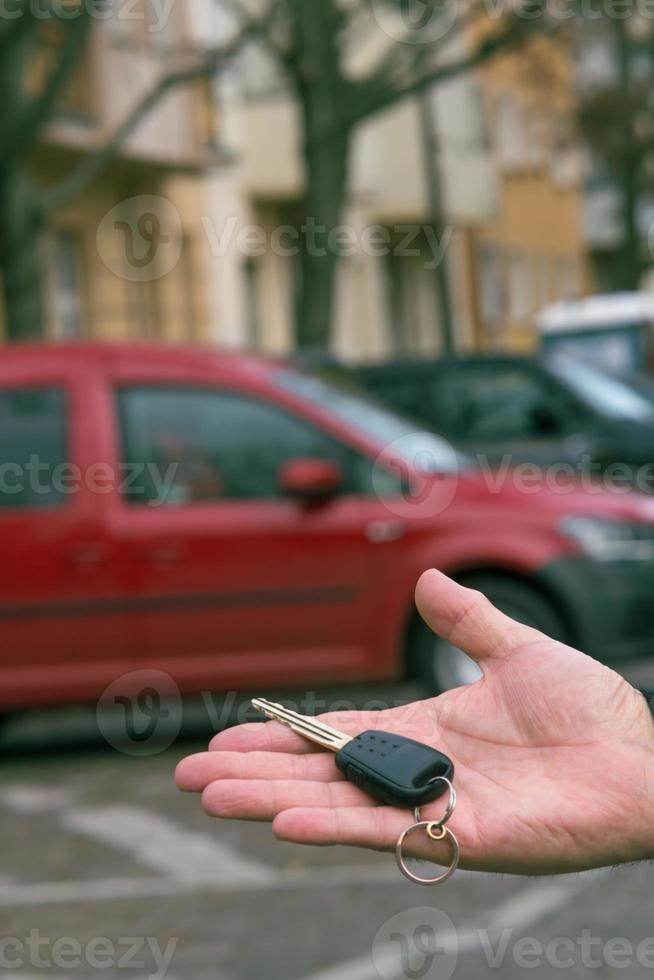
(504, 408)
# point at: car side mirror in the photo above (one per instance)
(311, 480)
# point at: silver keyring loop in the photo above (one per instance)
(451, 803)
(404, 868)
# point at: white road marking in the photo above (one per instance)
(523, 909)
(29, 800)
(13, 893)
(163, 846)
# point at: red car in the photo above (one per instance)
(239, 524)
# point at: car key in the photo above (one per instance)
(394, 770)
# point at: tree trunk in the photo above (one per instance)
(21, 223)
(326, 175)
(630, 258)
(322, 91)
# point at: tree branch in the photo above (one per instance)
(39, 109)
(374, 98)
(97, 161)
(12, 30)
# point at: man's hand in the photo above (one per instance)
(553, 755)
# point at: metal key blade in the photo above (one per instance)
(315, 731)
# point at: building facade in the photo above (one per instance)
(188, 235)
(510, 228)
(124, 260)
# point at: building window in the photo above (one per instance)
(568, 278)
(543, 280)
(250, 284)
(65, 294)
(511, 134)
(521, 287)
(491, 286)
(401, 304)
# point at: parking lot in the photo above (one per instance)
(108, 870)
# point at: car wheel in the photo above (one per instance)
(441, 666)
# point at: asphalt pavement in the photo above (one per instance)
(107, 871)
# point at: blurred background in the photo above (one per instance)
(347, 287)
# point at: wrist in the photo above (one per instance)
(648, 694)
(646, 702)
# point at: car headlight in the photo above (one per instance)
(611, 540)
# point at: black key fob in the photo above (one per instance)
(395, 770)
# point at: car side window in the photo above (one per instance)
(486, 402)
(183, 445)
(33, 447)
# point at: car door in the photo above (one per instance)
(508, 412)
(238, 585)
(64, 634)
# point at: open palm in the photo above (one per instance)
(553, 755)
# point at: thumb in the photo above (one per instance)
(468, 620)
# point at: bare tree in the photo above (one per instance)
(25, 205)
(316, 42)
(616, 120)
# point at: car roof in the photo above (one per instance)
(597, 312)
(425, 365)
(185, 357)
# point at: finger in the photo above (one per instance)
(468, 620)
(377, 828)
(273, 736)
(194, 773)
(261, 799)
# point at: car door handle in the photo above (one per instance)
(167, 554)
(89, 555)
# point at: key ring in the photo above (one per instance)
(437, 831)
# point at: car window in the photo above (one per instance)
(33, 447)
(486, 402)
(188, 445)
(409, 439)
(406, 393)
(612, 397)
